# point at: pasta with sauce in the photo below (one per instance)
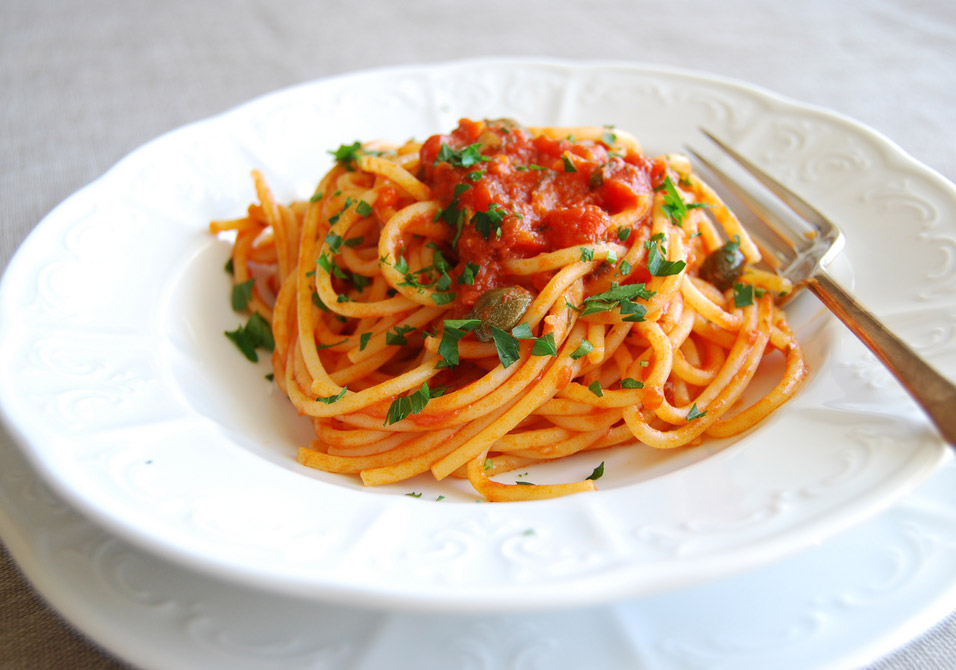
(500, 296)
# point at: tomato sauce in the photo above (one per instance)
(514, 195)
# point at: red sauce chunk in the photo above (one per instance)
(510, 195)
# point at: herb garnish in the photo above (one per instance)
(743, 295)
(242, 294)
(466, 157)
(583, 350)
(489, 221)
(452, 332)
(403, 406)
(657, 265)
(598, 472)
(347, 154)
(694, 413)
(674, 206)
(256, 334)
(329, 399)
(544, 346)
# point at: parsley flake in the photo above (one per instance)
(242, 294)
(674, 206)
(659, 266)
(467, 275)
(256, 334)
(398, 336)
(465, 158)
(347, 154)
(544, 346)
(694, 413)
(743, 295)
(452, 332)
(506, 345)
(329, 399)
(583, 350)
(403, 406)
(489, 221)
(598, 472)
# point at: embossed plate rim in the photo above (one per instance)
(743, 507)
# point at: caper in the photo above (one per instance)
(723, 266)
(500, 307)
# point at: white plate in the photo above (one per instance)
(117, 381)
(843, 604)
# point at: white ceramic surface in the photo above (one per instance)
(115, 377)
(841, 605)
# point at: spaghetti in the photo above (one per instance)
(500, 296)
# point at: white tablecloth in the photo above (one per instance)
(82, 84)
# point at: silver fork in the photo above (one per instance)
(802, 257)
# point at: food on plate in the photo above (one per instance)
(500, 295)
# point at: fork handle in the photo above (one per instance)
(934, 393)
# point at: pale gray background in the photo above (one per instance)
(84, 83)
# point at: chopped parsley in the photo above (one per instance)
(598, 472)
(506, 345)
(631, 383)
(489, 222)
(595, 388)
(743, 295)
(452, 332)
(467, 275)
(347, 154)
(442, 298)
(256, 334)
(363, 208)
(334, 219)
(657, 265)
(467, 157)
(587, 254)
(583, 350)
(622, 297)
(674, 206)
(452, 215)
(694, 413)
(242, 294)
(329, 399)
(334, 241)
(398, 336)
(523, 331)
(363, 340)
(403, 406)
(544, 346)
(568, 163)
(333, 344)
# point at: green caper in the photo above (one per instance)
(723, 267)
(500, 307)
